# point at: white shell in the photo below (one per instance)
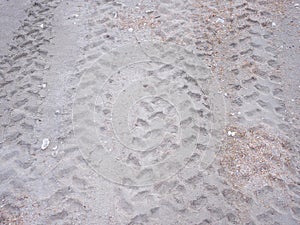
(45, 143)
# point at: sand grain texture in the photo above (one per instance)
(53, 63)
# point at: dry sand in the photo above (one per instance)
(149, 112)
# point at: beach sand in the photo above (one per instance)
(149, 112)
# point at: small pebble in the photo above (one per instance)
(44, 85)
(45, 143)
(149, 11)
(130, 30)
(42, 25)
(219, 20)
(231, 133)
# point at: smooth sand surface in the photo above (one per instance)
(149, 112)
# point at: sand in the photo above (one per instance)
(149, 112)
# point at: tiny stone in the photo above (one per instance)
(130, 29)
(45, 143)
(219, 20)
(149, 11)
(44, 85)
(42, 25)
(231, 133)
